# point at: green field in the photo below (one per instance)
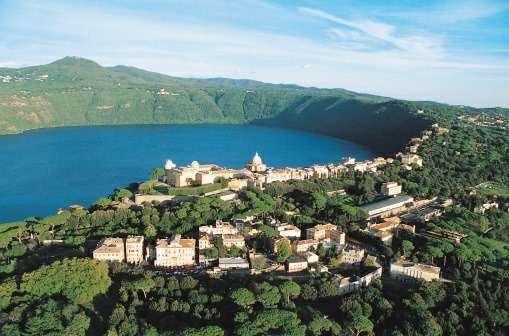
(494, 189)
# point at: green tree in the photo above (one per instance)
(407, 247)
(359, 324)
(258, 263)
(122, 193)
(284, 250)
(205, 331)
(156, 173)
(150, 231)
(266, 294)
(242, 297)
(56, 318)
(7, 288)
(143, 284)
(308, 292)
(267, 230)
(217, 241)
(80, 280)
(289, 288)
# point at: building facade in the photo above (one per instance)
(110, 250)
(409, 271)
(134, 249)
(174, 252)
(391, 189)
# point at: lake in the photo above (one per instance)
(43, 170)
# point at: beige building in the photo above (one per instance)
(205, 241)
(320, 171)
(326, 232)
(385, 236)
(391, 189)
(110, 250)
(296, 264)
(198, 174)
(230, 240)
(256, 165)
(305, 245)
(310, 257)
(134, 249)
(352, 255)
(408, 159)
(174, 252)
(218, 228)
(408, 271)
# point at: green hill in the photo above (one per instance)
(78, 92)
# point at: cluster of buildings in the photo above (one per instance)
(484, 119)
(129, 250)
(386, 229)
(321, 236)
(257, 174)
(177, 251)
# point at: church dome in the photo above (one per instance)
(195, 165)
(257, 160)
(169, 164)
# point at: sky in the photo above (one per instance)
(454, 52)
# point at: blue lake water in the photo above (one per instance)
(43, 170)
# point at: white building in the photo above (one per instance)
(391, 189)
(230, 240)
(218, 228)
(174, 252)
(388, 204)
(296, 264)
(305, 245)
(256, 165)
(233, 263)
(134, 249)
(409, 271)
(288, 231)
(348, 285)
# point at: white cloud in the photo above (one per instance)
(12, 64)
(306, 66)
(424, 45)
(453, 12)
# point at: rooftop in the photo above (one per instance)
(232, 261)
(307, 241)
(328, 226)
(175, 242)
(386, 202)
(420, 267)
(134, 239)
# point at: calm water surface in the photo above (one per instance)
(43, 170)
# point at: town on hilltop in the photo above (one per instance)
(330, 248)
(227, 246)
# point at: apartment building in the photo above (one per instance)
(134, 249)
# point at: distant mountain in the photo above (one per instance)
(75, 91)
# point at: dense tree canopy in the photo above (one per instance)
(80, 280)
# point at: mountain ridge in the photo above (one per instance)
(75, 91)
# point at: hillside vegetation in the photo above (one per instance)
(79, 92)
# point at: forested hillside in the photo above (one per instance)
(76, 92)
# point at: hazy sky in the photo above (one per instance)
(455, 52)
